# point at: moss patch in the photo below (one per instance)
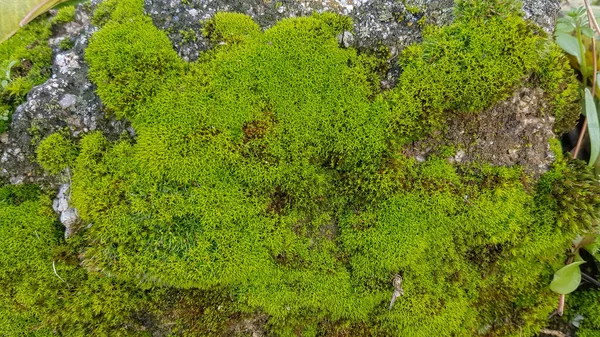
(270, 174)
(29, 49)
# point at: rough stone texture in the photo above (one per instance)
(544, 13)
(391, 23)
(66, 101)
(512, 132)
(68, 215)
(388, 22)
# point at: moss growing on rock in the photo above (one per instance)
(29, 51)
(230, 28)
(55, 153)
(272, 170)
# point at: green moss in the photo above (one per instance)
(466, 66)
(188, 35)
(130, 60)
(5, 114)
(230, 27)
(64, 15)
(29, 49)
(18, 194)
(55, 153)
(26, 242)
(66, 44)
(266, 178)
(558, 80)
(587, 304)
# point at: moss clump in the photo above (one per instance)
(135, 65)
(29, 49)
(230, 27)
(66, 44)
(55, 153)
(467, 67)
(64, 15)
(560, 85)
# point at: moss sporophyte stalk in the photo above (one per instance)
(268, 179)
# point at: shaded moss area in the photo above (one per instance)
(267, 185)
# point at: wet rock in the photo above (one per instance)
(67, 101)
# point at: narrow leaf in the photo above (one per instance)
(567, 279)
(13, 12)
(593, 126)
(569, 44)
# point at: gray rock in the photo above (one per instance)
(542, 12)
(67, 101)
(68, 215)
(346, 39)
(391, 23)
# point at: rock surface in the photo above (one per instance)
(66, 101)
(68, 215)
(391, 23)
(512, 132)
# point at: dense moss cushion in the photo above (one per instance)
(272, 169)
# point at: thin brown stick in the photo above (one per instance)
(580, 139)
(561, 298)
(594, 26)
(553, 333)
(591, 18)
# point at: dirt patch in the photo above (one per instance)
(515, 131)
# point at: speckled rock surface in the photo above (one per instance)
(66, 101)
(544, 13)
(388, 22)
(391, 23)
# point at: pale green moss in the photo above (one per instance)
(55, 153)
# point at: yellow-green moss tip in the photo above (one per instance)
(55, 153)
(64, 15)
(230, 27)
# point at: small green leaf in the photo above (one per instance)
(569, 44)
(587, 31)
(593, 126)
(563, 27)
(567, 279)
